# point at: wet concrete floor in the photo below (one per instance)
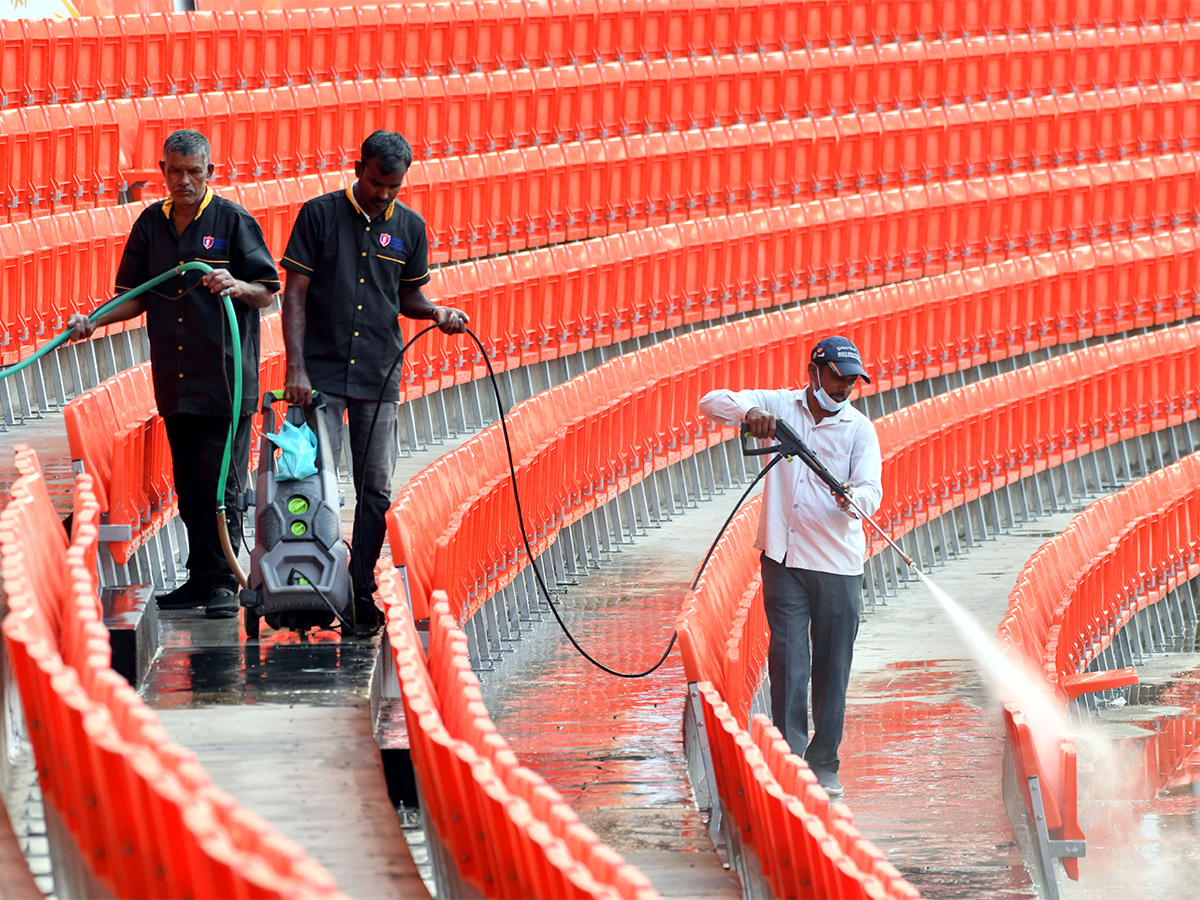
(48, 437)
(284, 725)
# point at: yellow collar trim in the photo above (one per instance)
(350, 197)
(208, 195)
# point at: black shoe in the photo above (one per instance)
(186, 596)
(222, 604)
(368, 618)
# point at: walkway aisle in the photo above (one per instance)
(285, 727)
(48, 438)
(924, 742)
(614, 747)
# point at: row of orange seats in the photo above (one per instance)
(598, 292)
(1146, 560)
(144, 815)
(1054, 761)
(806, 847)
(78, 59)
(69, 60)
(498, 826)
(491, 203)
(1121, 555)
(116, 435)
(55, 266)
(864, 21)
(907, 332)
(995, 432)
(77, 155)
(723, 635)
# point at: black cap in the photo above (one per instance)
(842, 356)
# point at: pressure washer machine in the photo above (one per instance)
(299, 567)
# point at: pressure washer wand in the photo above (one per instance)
(791, 446)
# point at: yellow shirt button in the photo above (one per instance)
(368, 228)
(355, 334)
(182, 319)
(364, 253)
(180, 374)
(351, 363)
(180, 291)
(360, 281)
(181, 346)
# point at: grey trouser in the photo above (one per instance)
(814, 621)
(372, 468)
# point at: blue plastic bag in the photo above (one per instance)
(298, 452)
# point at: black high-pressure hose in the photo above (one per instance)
(537, 573)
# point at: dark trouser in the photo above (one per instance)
(372, 467)
(814, 621)
(197, 444)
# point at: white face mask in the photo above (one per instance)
(828, 403)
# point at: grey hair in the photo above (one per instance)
(187, 142)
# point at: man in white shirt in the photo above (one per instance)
(812, 544)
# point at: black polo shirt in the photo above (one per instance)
(188, 329)
(359, 270)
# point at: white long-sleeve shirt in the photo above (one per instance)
(800, 518)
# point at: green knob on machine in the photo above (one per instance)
(297, 506)
(298, 528)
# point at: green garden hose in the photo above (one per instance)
(235, 334)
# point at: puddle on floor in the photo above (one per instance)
(207, 662)
(1140, 809)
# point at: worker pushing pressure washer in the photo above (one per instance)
(812, 542)
(189, 335)
(356, 261)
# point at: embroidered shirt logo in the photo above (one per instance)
(214, 243)
(384, 240)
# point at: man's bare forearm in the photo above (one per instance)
(256, 296)
(415, 305)
(295, 293)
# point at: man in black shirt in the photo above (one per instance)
(190, 356)
(356, 261)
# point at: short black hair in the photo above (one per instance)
(187, 142)
(389, 149)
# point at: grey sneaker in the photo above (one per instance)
(831, 783)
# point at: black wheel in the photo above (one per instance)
(252, 620)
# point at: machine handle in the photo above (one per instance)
(791, 445)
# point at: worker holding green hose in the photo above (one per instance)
(190, 353)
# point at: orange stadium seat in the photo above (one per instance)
(104, 763)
